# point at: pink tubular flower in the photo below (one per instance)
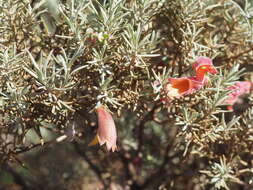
(106, 130)
(238, 89)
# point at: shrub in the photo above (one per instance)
(60, 59)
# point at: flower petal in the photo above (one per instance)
(202, 61)
(184, 85)
(94, 141)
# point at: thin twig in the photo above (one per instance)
(93, 167)
(160, 171)
(18, 179)
(147, 117)
(238, 55)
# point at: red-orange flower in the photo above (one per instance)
(106, 130)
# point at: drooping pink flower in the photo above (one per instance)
(238, 89)
(106, 133)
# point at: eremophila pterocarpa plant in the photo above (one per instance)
(150, 94)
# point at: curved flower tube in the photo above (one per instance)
(177, 87)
